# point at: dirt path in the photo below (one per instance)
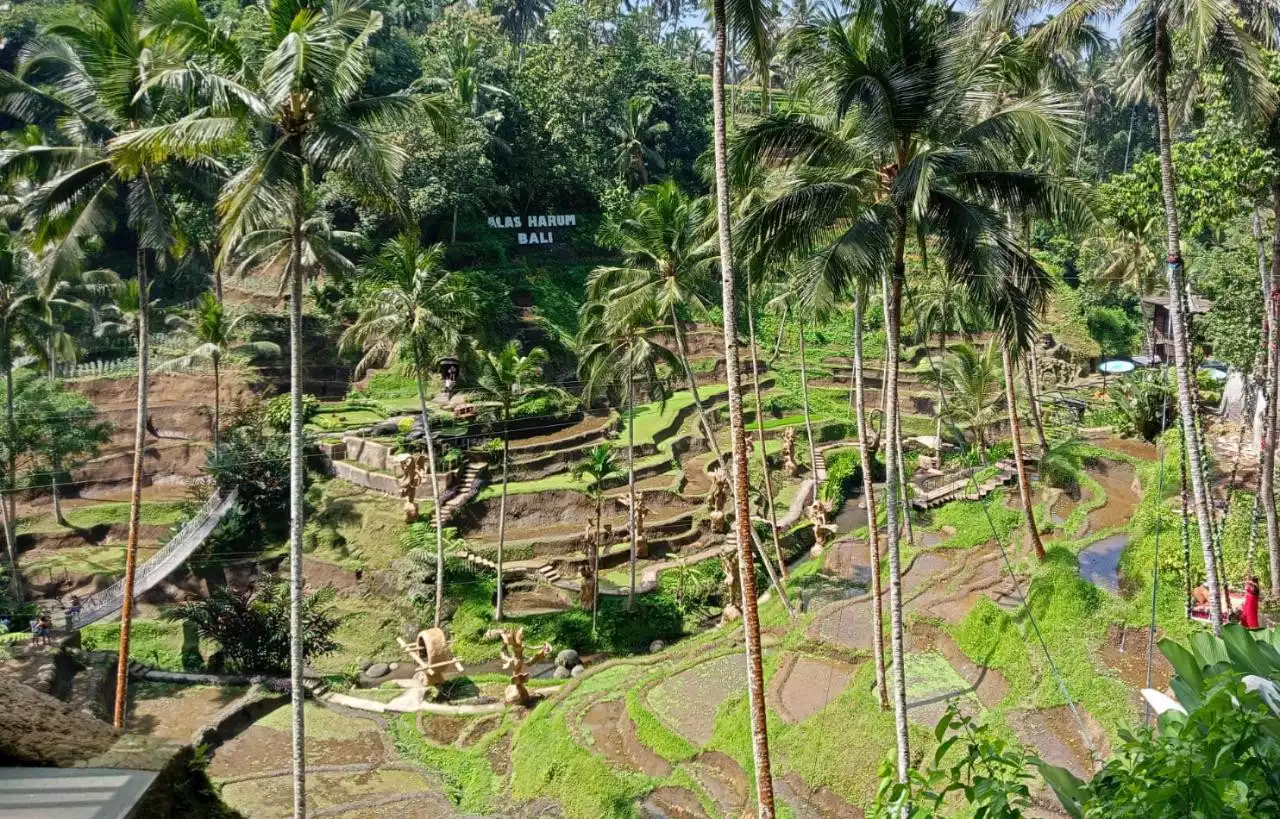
(613, 736)
(804, 686)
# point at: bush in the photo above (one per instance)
(844, 475)
(278, 411)
(252, 626)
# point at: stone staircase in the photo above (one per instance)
(472, 480)
(962, 488)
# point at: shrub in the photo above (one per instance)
(844, 475)
(252, 626)
(278, 411)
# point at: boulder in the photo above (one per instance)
(656, 646)
(568, 659)
(578, 671)
(561, 673)
(393, 666)
(364, 665)
(377, 670)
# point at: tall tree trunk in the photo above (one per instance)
(594, 557)
(869, 494)
(902, 485)
(737, 429)
(804, 396)
(693, 385)
(437, 511)
(217, 404)
(1267, 466)
(1015, 430)
(764, 456)
(631, 471)
(1033, 402)
(217, 282)
(453, 230)
(297, 511)
(1186, 406)
(777, 341)
(892, 466)
(135, 493)
(11, 433)
(55, 460)
(502, 514)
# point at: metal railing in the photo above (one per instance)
(162, 563)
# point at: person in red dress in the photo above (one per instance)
(1249, 612)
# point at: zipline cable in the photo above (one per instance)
(1004, 555)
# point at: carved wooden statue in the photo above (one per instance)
(732, 588)
(641, 512)
(412, 470)
(513, 660)
(789, 452)
(716, 499)
(822, 530)
(432, 655)
(586, 587)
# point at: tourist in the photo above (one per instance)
(73, 611)
(1249, 613)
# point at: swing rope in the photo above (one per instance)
(1004, 556)
(1155, 562)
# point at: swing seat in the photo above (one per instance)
(1200, 611)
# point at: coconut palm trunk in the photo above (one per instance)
(1182, 367)
(55, 462)
(217, 400)
(296, 517)
(764, 456)
(631, 472)
(1032, 400)
(1015, 430)
(804, 397)
(777, 341)
(11, 432)
(902, 485)
(437, 512)
(869, 494)
(737, 427)
(502, 515)
(892, 466)
(594, 557)
(693, 385)
(1272, 412)
(135, 494)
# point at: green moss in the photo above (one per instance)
(547, 762)
(153, 513)
(660, 739)
(158, 643)
(971, 523)
(467, 775)
(842, 745)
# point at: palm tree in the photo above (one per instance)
(598, 465)
(89, 75)
(211, 334)
(634, 135)
(1218, 37)
(970, 376)
(869, 494)
(23, 322)
(1015, 432)
(937, 147)
(507, 380)
(1127, 260)
(614, 346)
(519, 18)
(665, 261)
(749, 23)
(300, 84)
(415, 310)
